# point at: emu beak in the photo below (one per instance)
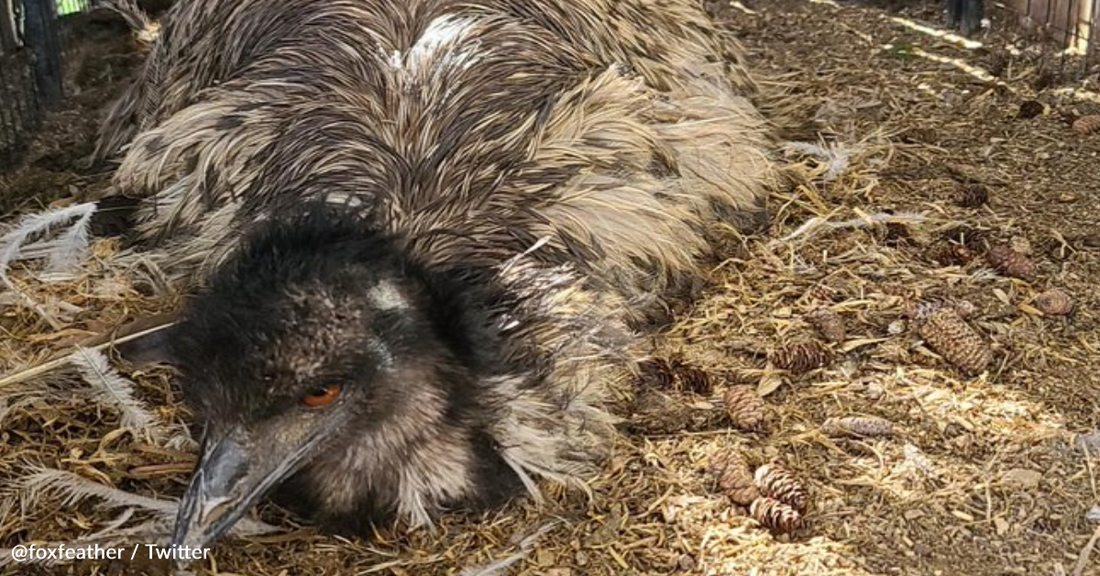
(233, 474)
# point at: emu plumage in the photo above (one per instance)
(455, 214)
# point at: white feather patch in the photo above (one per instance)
(386, 296)
(115, 390)
(836, 155)
(62, 253)
(439, 44)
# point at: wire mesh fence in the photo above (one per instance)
(31, 66)
(1064, 28)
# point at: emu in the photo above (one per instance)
(423, 237)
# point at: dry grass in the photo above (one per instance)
(988, 475)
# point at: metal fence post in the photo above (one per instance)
(31, 67)
(44, 43)
(965, 15)
(9, 35)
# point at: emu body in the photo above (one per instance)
(423, 233)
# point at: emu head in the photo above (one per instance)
(315, 334)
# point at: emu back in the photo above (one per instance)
(622, 130)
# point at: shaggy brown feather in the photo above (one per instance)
(603, 124)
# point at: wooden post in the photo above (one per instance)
(1083, 27)
(41, 38)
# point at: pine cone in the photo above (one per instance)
(1030, 109)
(972, 195)
(675, 374)
(996, 63)
(800, 357)
(865, 426)
(1086, 125)
(734, 477)
(775, 515)
(822, 293)
(719, 461)
(898, 289)
(656, 372)
(950, 254)
(953, 338)
(691, 378)
(774, 481)
(1010, 262)
(975, 239)
(744, 406)
(829, 323)
(1054, 302)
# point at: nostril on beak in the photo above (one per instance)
(214, 509)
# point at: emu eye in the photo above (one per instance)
(322, 396)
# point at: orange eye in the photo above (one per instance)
(322, 396)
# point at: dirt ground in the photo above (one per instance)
(987, 475)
